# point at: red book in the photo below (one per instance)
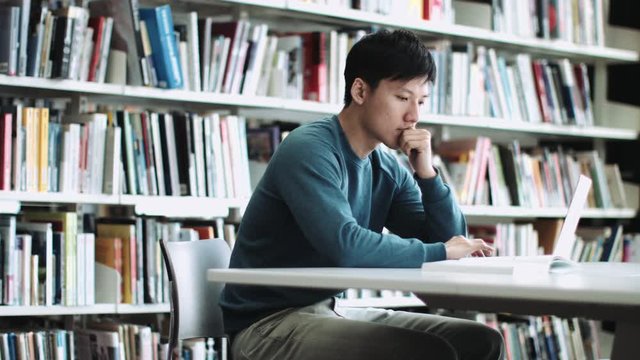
(542, 92)
(315, 66)
(6, 121)
(426, 9)
(97, 24)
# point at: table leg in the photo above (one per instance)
(625, 342)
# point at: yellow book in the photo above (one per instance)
(43, 151)
(126, 232)
(30, 120)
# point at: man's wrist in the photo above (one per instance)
(428, 173)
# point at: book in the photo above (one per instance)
(515, 265)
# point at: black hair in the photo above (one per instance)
(392, 55)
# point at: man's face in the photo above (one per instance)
(393, 107)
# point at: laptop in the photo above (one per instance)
(559, 259)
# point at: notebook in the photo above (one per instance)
(558, 261)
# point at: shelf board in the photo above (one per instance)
(382, 302)
(288, 108)
(515, 212)
(57, 310)
(178, 206)
(9, 206)
(491, 123)
(503, 40)
(61, 85)
(59, 198)
(142, 309)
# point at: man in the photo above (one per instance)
(323, 202)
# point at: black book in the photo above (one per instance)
(61, 47)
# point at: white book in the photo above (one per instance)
(256, 60)
(173, 156)
(342, 49)
(267, 66)
(89, 268)
(226, 158)
(218, 159)
(18, 149)
(185, 64)
(205, 44)
(238, 75)
(157, 153)
(220, 62)
(80, 270)
(190, 20)
(208, 157)
(104, 51)
(111, 178)
(196, 133)
(23, 248)
(497, 82)
(42, 245)
(526, 76)
(85, 60)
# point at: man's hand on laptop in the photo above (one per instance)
(459, 246)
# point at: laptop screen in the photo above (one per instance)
(564, 243)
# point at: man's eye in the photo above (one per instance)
(402, 98)
(420, 103)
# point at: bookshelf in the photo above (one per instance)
(265, 107)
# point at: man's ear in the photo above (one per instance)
(359, 91)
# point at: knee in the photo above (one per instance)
(493, 344)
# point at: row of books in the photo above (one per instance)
(42, 40)
(478, 81)
(546, 337)
(578, 21)
(46, 261)
(239, 57)
(46, 258)
(431, 10)
(483, 173)
(106, 341)
(138, 153)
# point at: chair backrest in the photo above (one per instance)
(195, 310)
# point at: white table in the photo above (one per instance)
(605, 291)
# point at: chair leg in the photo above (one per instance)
(223, 348)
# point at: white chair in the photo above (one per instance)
(195, 311)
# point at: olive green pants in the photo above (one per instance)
(325, 331)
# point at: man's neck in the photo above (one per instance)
(351, 122)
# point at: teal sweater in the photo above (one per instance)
(320, 205)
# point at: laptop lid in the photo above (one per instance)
(564, 243)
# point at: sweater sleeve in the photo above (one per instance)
(308, 177)
(425, 209)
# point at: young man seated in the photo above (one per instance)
(323, 201)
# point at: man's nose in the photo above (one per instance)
(413, 114)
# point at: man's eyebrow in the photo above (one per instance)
(412, 93)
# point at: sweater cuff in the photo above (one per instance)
(433, 189)
(434, 252)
